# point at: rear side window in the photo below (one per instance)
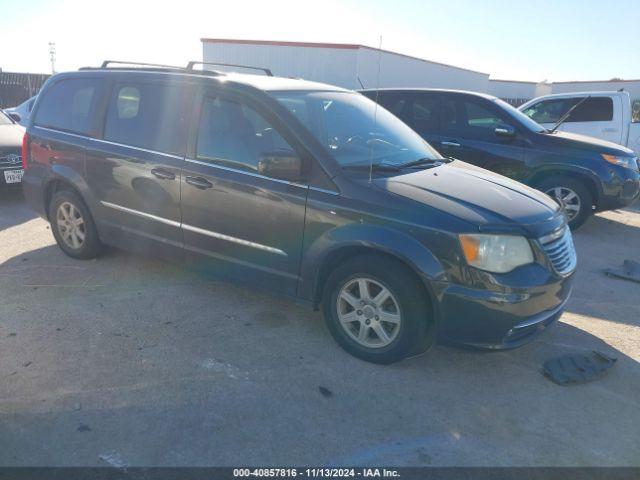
(68, 105)
(149, 115)
(595, 109)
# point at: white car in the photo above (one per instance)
(609, 116)
(23, 111)
(11, 135)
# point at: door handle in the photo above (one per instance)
(451, 144)
(199, 182)
(163, 174)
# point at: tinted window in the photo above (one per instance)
(470, 118)
(422, 114)
(635, 111)
(393, 101)
(418, 110)
(151, 115)
(595, 109)
(68, 105)
(235, 135)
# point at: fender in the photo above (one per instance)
(563, 167)
(384, 239)
(66, 174)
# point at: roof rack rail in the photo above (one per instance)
(106, 64)
(267, 71)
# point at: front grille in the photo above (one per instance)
(560, 251)
(10, 159)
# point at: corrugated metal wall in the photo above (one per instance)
(344, 65)
(334, 66)
(402, 71)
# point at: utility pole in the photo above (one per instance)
(52, 56)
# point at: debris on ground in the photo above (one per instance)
(578, 368)
(325, 391)
(84, 428)
(113, 459)
(630, 271)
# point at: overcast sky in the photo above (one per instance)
(521, 39)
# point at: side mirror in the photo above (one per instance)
(15, 117)
(505, 131)
(281, 164)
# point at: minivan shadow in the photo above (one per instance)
(13, 207)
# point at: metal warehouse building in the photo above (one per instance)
(345, 65)
(353, 66)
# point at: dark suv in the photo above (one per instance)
(304, 189)
(582, 173)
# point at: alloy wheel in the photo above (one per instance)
(70, 225)
(567, 199)
(368, 312)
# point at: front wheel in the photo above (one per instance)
(572, 196)
(377, 310)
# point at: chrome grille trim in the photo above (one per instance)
(11, 159)
(560, 251)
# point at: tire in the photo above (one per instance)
(566, 187)
(87, 244)
(408, 304)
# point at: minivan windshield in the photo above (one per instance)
(354, 131)
(520, 117)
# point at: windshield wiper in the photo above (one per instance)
(424, 161)
(564, 117)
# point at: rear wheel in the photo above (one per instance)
(73, 226)
(376, 309)
(573, 196)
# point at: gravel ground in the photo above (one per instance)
(129, 361)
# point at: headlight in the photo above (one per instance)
(496, 253)
(627, 162)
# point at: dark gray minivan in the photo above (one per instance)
(303, 189)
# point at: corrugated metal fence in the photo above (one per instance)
(15, 87)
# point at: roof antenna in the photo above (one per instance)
(360, 82)
(375, 110)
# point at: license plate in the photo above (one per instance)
(13, 176)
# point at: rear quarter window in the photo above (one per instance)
(68, 105)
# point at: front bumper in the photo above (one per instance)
(501, 320)
(622, 188)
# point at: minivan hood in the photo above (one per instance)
(11, 135)
(481, 197)
(584, 142)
